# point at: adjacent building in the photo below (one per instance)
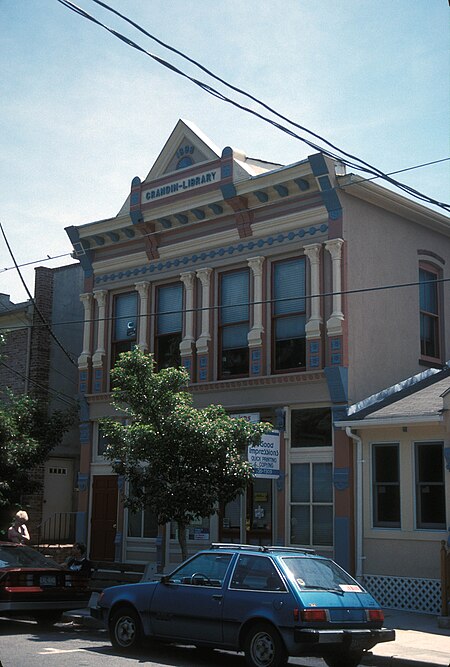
(288, 293)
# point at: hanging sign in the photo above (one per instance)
(265, 457)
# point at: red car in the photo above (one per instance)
(32, 585)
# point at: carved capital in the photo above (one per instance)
(256, 264)
(204, 275)
(334, 247)
(312, 252)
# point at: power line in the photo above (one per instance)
(219, 307)
(52, 392)
(60, 345)
(359, 164)
(36, 261)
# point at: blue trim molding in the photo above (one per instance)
(337, 380)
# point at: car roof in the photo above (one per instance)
(255, 548)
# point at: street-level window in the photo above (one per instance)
(234, 324)
(386, 485)
(311, 504)
(429, 313)
(311, 427)
(430, 486)
(169, 325)
(288, 316)
(124, 329)
(142, 523)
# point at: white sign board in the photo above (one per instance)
(265, 457)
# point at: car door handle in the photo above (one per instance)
(217, 597)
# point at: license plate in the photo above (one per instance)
(47, 581)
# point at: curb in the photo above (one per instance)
(396, 661)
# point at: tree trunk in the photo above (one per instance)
(182, 539)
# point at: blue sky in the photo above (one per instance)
(82, 113)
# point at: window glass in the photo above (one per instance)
(386, 485)
(124, 332)
(311, 504)
(317, 573)
(203, 570)
(429, 314)
(311, 428)
(289, 318)
(430, 486)
(234, 324)
(256, 573)
(142, 523)
(169, 325)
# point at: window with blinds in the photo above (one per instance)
(234, 324)
(288, 315)
(429, 313)
(124, 328)
(169, 325)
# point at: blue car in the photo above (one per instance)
(269, 602)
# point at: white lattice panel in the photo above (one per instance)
(423, 595)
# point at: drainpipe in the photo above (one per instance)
(359, 502)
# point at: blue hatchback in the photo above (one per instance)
(270, 602)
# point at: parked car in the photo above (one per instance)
(34, 586)
(270, 602)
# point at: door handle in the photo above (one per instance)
(217, 597)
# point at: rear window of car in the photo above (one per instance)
(315, 573)
(22, 556)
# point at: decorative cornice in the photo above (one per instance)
(266, 380)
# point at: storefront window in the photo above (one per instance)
(311, 504)
(311, 427)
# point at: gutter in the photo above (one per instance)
(359, 503)
(367, 422)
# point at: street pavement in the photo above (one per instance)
(420, 642)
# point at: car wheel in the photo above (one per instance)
(46, 619)
(263, 647)
(344, 659)
(125, 629)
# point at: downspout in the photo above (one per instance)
(359, 503)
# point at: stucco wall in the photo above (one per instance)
(383, 326)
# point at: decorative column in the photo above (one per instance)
(202, 344)
(187, 344)
(336, 319)
(83, 359)
(313, 328)
(256, 332)
(100, 352)
(143, 291)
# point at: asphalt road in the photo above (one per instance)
(22, 644)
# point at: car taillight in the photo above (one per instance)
(375, 615)
(314, 615)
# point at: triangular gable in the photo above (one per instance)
(186, 146)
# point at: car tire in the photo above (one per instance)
(125, 630)
(263, 646)
(46, 619)
(344, 659)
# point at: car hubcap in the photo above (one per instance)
(125, 631)
(262, 649)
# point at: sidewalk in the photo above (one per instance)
(419, 641)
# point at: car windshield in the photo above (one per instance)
(318, 574)
(22, 556)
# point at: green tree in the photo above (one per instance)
(180, 461)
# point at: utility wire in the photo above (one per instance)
(219, 307)
(191, 224)
(55, 394)
(33, 301)
(359, 164)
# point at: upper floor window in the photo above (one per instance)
(124, 331)
(234, 324)
(429, 313)
(169, 325)
(430, 486)
(386, 485)
(288, 316)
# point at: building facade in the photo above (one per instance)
(264, 281)
(42, 339)
(402, 483)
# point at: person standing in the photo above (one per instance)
(18, 531)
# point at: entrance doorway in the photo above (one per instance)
(249, 518)
(103, 517)
(57, 517)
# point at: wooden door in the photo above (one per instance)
(103, 517)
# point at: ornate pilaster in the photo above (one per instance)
(255, 334)
(334, 323)
(313, 328)
(202, 344)
(187, 344)
(99, 355)
(143, 289)
(83, 359)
